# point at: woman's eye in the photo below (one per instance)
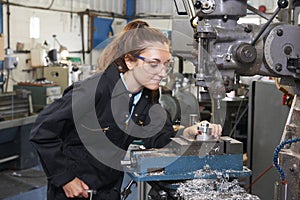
(153, 64)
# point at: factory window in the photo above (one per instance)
(34, 27)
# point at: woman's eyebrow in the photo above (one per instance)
(158, 60)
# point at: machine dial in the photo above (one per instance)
(267, 49)
(207, 6)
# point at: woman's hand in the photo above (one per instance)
(192, 131)
(76, 188)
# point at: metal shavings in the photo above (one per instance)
(206, 171)
(157, 173)
(213, 189)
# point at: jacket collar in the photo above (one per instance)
(112, 74)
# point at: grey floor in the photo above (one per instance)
(23, 184)
(38, 194)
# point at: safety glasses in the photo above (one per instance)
(154, 66)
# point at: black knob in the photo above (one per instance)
(282, 3)
(198, 5)
(248, 28)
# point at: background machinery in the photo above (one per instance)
(222, 51)
(228, 49)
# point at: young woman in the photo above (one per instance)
(82, 137)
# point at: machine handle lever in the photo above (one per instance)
(281, 4)
(258, 12)
(127, 189)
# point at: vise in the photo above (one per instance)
(185, 159)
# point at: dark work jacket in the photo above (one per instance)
(60, 129)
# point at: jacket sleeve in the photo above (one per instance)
(47, 135)
(162, 138)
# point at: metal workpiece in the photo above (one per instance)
(205, 132)
(223, 145)
(215, 146)
(183, 146)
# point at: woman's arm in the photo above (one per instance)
(47, 138)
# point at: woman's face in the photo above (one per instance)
(151, 66)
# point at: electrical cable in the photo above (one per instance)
(259, 176)
(51, 4)
(275, 157)
(237, 119)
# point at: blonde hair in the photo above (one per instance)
(134, 38)
(104, 58)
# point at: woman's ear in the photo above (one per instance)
(130, 62)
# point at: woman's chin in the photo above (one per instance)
(152, 86)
